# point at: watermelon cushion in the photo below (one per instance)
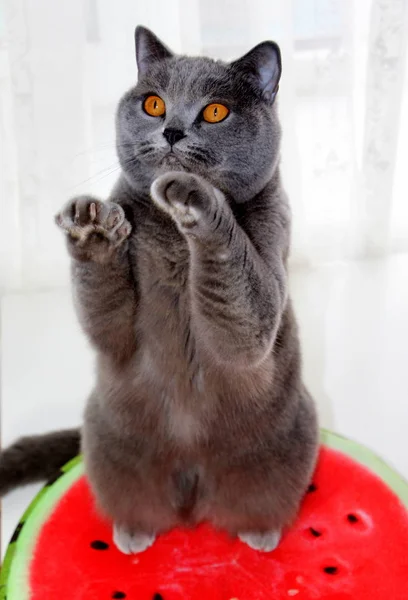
(350, 541)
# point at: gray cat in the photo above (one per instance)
(199, 412)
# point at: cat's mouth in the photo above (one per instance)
(175, 161)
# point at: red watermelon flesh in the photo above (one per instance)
(349, 542)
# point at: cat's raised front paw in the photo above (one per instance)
(129, 542)
(188, 198)
(94, 228)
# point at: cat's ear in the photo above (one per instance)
(149, 49)
(264, 65)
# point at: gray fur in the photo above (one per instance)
(199, 411)
(35, 458)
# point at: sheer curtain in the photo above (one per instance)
(343, 104)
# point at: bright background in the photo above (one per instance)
(344, 107)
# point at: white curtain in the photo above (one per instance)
(343, 103)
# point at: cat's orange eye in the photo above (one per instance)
(154, 106)
(214, 113)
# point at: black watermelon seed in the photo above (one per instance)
(352, 518)
(118, 595)
(99, 545)
(331, 570)
(315, 532)
(158, 597)
(312, 488)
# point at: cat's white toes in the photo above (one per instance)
(264, 542)
(131, 543)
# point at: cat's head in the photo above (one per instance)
(215, 119)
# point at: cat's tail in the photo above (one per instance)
(37, 458)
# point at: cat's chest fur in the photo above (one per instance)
(167, 363)
(160, 258)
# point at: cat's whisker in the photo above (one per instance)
(109, 170)
(200, 150)
(146, 151)
(102, 148)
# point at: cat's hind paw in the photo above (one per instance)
(263, 542)
(129, 542)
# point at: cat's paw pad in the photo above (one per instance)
(84, 216)
(186, 197)
(263, 542)
(131, 543)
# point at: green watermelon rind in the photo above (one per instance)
(369, 459)
(19, 551)
(15, 571)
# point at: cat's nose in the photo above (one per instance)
(173, 135)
